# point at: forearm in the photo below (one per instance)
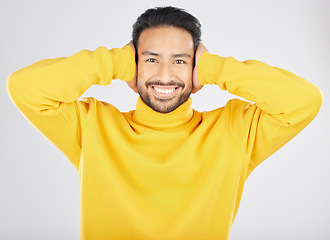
(47, 83)
(282, 94)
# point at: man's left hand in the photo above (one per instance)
(200, 50)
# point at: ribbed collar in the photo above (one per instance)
(144, 115)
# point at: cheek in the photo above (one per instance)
(144, 72)
(140, 75)
(186, 77)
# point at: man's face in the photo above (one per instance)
(165, 64)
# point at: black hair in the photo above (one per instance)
(167, 16)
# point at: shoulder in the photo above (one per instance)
(94, 103)
(233, 107)
(98, 109)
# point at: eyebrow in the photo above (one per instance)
(177, 55)
(146, 52)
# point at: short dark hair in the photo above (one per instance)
(167, 16)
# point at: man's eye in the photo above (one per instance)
(152, 60)
(179, 61)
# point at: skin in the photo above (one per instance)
(165, 77)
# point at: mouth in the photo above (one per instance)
(164, 91)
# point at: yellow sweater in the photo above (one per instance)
(146, 175)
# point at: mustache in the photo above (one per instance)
(160, 83)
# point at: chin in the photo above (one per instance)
(164, 108)
(165, 105)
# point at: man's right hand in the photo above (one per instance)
(132, 84)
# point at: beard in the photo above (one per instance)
(164, 105)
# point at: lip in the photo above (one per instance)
(164, 91)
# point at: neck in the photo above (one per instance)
(178, 118)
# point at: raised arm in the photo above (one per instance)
(284, 102)
(46, 92)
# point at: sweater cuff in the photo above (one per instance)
(124, 63)
(209, 68)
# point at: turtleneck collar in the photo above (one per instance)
(144, 115)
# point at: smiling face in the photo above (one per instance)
(165, 64)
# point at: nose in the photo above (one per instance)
(165, 73)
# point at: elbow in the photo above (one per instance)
(13, 86)
(306, 106)
(17, 88)
(313, 102)
(316, 100)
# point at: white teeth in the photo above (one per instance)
(164, 90)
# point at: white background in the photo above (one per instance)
(286, 197)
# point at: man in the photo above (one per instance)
(164, 170)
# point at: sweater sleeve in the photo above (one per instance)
(284, 103)
(46, 92)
